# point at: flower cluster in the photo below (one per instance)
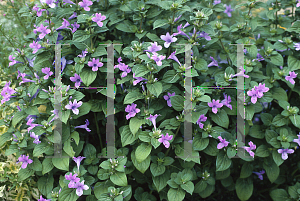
(257, 92)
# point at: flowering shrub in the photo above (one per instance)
(151, 160)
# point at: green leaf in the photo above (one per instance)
(47, 165)
(143, 166)
(133, 96)
(88, 76)
(176, 194)
(188, 187)
(127, 137)
(68, 194)
(127, 26)
(279, 94)
(160, 23)
(200, 186)
(272, 169)
(75, 136)
(89, 151)
(100, 51)
(119, 178)
(221, 118)
(160, 182)
(199, 143)
(279, 195)
(256, 132)
(142, 152)
(250, 110)
(177, 102)
(45, 184)
(171, 76)
(4, 137)
(277, 157)
(140, 70)
(156, 169)
(134, 124)
(68, 148)
(65, 116)
(24, 174)
(223, 162)
(62, 163)
(277, 59)
(18, 116)
(80, 36)
(244, 188)
(208, 191)
(155, 89)
(32, 111)
(293, 63)
(262, 151)
(231, 152)
(40, 149)
(36, 165)
(279, 120)
(246, 170)
(266, 118)
(295, 119)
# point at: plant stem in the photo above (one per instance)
(228, 59)
(97, 127)
(173, 138)
(91, 38)
(276, 15)
(290, 93)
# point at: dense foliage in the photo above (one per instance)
(149, 72)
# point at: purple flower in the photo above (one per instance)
(50, 3)
(64, 25)
(78, 161)
(180, 32)
(68, 1)
(228, 10)
(47, 71)
(85, 4)
(80, 187)
(216, 2)
(169, 39)
(85, 126)
(44, 31)
(72, 179)
(99, 19)
(298, 4)
(13, 62)
(153, 48)
(168, 98)
(202, 118)
(205, 35)
(7, 92)
(297, 45)
(132, 110)
(177, 18)
(25, 159)
(254, 95)
(291, 77)
(259, 174)
(35, 46)
(260, 89)
(43, 199)
(138, 79)
(215, 105)
(83, 54)
(213, 63)
(123, 67)
(241, 73)
(31, 125)
(157, 58)
(39, 11)
(226, 101)
(172, 56)
(284, 153)
(75, 27)
(36, 138)
(76, 79)
(248, 149)
(95, 64)
(64, 62)
(165, 140)
(223, 143)
(297, 140)
(73, 106)
(73, 16)
(153, 119)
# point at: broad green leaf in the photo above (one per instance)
(188, 187)
(24, 174)
(18, 116)
(143, 166)
(171, 76)
(40, 149)
(142, 152)
(221, 118)
(199, 143)
(88, 76)
(62, 163)
(293, 63)
(126, 26)
(177, 102)
(279, 195)
(134, 124)
(127, 137)
(80, 36)
(246, 170)
(68, 194)
(156, 169)
(176, 194)
(272, 170)
(223, 162)
(119, 178)
(155, 89)
(47, 165)
(132, 96)
(160, 181)
(262, 151)
(244, 188)
(160, 23)
(45, 184)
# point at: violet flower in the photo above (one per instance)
(223, 143)
(83, 54)
(254, 95)
(39, 11)
(44, 31)
(165, 140)
(152, 118)
(298, 4)
(168, 98)
(259, 174)
(153, 48)
(7, 92)
(204, 35)
(95, 64)
(76, 79)
(72, 179)
(168, 39)
(132, 110)
(25, 159)
(64, 25)
(123, 67)
(177, 18)
(172, 56)
(31, 125)
(215, 105)
(260, 89)
(35, 46)
(285, 153)
(73, 16)
(297, 45)
(228, 10)
(157, 58)
(241, 73)
(74, 106)
(226, 101)
(248, 149)
(202, 118)
(297, 140)
(138, 79)
(68, 1)
(78, 161)
(85, 4)
(47, 71)
(291, 77)
(75, 27)
(180, 32)
(216, 2)
(50, 3)
(98, 19)
(213, 63)
(43, 199)
(64, 62)
(85, 126)
(13, 62)
(35, 137)
(80, 187)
